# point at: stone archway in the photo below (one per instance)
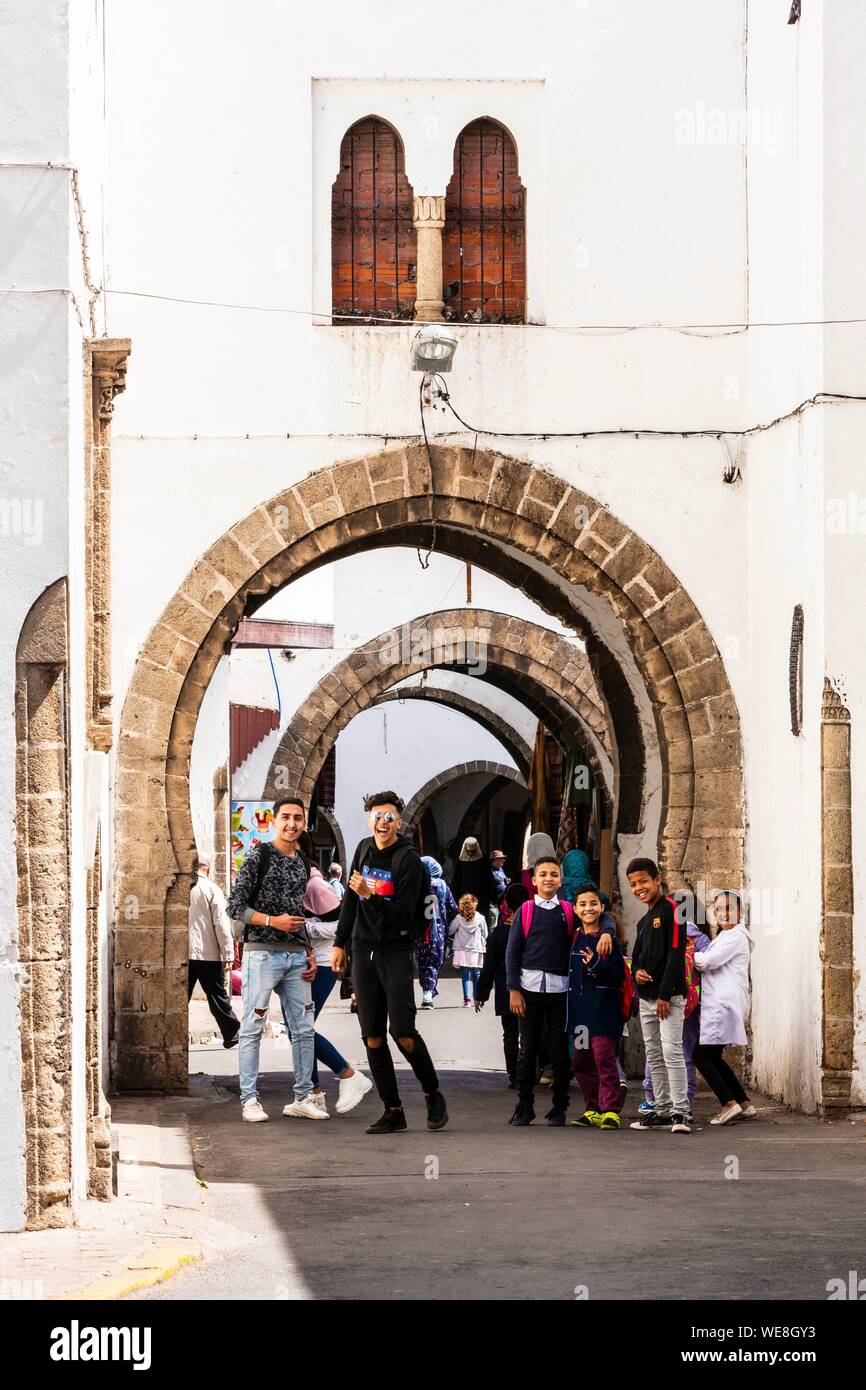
(511, 741)
(532, 663)
(525, 524)
(443, 780)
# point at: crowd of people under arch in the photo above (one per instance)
(548, 947)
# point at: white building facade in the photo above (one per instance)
(666, 471)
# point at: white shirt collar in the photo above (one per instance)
(546, 902)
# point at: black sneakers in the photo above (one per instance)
(556, 1117)
(523, 1115)
(680, 1124)
(391, 1122)
(652, 1121)
(437, 1113)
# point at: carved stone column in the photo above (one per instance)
(837, 919)
(428, 216)
(104, 376)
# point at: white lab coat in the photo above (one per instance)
(724, 968)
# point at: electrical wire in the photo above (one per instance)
(276, 686)
(425, 564)
(662, 434)
(369, 319)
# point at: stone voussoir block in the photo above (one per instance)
(627, 560)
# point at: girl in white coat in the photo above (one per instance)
(724, 968)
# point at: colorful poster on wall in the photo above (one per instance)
(252, 822)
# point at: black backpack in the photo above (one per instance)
(420, 920)
(266, 847)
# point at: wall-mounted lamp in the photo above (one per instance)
(433, 349)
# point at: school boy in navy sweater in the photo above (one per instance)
(536, 966)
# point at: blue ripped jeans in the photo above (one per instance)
(264, 973)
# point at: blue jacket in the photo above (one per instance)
(594, 990)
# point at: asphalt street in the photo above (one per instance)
(772, 1208)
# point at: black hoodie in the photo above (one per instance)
(391, 916)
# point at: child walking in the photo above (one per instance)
(469, 930)
(724, 967)
(595, 1012)
(659, 971)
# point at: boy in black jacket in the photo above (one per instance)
(382, 915)
(658, 967)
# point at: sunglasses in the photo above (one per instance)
(387, 816)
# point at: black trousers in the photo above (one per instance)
(510, 1043)
(210, 975)
(541, 1009)
(385, 994)
(718, 1075)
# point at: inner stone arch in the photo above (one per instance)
(532, 663)
(535, 528)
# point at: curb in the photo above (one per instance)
(158, 1264)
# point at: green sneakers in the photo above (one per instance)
(590, 1119)
(609, 1120)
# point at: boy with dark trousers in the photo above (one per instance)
(658, 965)
(382, 915)
(536, 970)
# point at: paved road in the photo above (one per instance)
(479, 1210)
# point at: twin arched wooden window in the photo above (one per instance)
(373, 239)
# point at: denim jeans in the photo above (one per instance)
(663, 1040)
(469, 975)
(324, 1050)
(263, 973)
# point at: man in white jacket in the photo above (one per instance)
(211, 950)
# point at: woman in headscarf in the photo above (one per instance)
(472, 875)
(538, 846)
(430, 948)
(575, 871)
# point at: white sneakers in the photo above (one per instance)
(306, 1109)
(352, 1092)
(252, 1111)
(314, 1106)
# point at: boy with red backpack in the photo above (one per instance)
(536, 966)
(599, 993)
(696, 940)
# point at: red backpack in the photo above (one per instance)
(693, 981)
(528, 908)
(628, 992)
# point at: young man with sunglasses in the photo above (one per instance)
(382, 915)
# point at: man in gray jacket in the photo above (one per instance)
(211, 950)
